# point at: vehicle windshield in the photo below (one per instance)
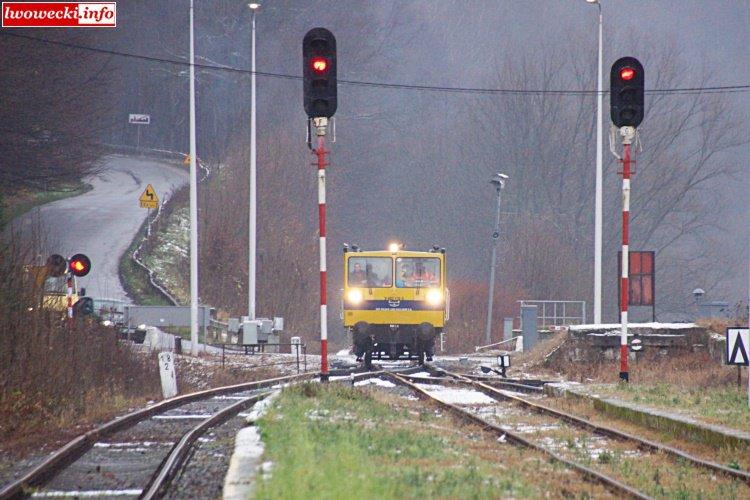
(56, 285)
(415, 272)
(370, 272)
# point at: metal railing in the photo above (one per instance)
(298, 350)
(556, 312)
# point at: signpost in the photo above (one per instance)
(738, 352)
(149, 199)
(139, 119)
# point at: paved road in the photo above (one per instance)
(103, 222)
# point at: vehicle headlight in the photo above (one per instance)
(142, 326)
(354, 296)
(434, 296)
(107, 322)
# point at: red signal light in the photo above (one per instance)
(79, 265)
(627, 74)
(319, 64)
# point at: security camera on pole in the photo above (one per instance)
(626, 110)
(319, 75)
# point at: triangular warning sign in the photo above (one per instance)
(738, 346)
(149, 195)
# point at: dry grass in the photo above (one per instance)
(54, 377)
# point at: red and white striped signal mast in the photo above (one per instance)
(319, 93)
(626, 110)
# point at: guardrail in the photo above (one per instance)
(162, 154)
(517, 339)
(299, 350)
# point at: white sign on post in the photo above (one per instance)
(136, 119)
(167, 373)
(738, 346)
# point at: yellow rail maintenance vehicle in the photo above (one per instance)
(396, 302)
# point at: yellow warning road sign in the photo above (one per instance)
(149, 199)
(186, 161)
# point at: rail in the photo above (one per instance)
(72, 451)
(602, 430)
(611, 484)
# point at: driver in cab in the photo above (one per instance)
(420, 276)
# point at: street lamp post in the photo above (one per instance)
(253, 228)
(499, 182)
(598, 200)
(193, 203)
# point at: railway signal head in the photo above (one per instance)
(626, 92)
(56, 265)
(319, 73)
(79, 265)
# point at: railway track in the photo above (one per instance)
(141, 453)
(592, 450)
(138, 454)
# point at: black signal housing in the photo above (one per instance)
(626, 98)
(79, 265)
(319, 73)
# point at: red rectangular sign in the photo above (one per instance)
(640, 277)
(59, 14)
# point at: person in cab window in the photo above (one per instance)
(357, 275)
(372, 277)
(421, 276)
(403, 278)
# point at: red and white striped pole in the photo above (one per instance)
(70, 300)
(320, 125)
(628, 133)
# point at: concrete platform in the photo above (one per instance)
(681, 425)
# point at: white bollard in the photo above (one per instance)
(167, 373)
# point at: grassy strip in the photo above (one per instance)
(335, 441)
(21, 203)
(135, 279)
(167, 252)
(718, 405)
(730, 456)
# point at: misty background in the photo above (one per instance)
(414, 165)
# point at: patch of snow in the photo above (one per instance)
(182, 417)
(452, 395)
(136, 444)
(87, 493)
(615, 326)
(375, 381)
(261, 407)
